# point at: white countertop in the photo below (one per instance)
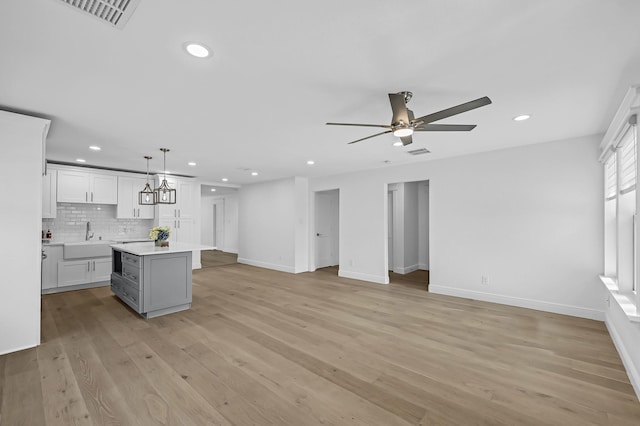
(147, 249)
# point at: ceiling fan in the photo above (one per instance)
(403, 123)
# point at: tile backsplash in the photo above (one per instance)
(71, 223)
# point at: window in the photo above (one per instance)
(620, 205)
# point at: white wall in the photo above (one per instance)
(626, 336)
(20, 256)
(302, 228)
(529, 218)
(266, 225)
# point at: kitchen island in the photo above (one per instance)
(152, 280)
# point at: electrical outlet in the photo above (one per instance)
(484, 280)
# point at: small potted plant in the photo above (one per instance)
(160, 234)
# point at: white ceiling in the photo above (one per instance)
(283, 68)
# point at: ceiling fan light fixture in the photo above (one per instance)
(398, 143)
(402, 132)
(522, 117)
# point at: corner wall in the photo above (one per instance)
(20, 252)
(273, 225)
(528, 218)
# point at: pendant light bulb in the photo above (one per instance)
(145, 197)
(164, 194)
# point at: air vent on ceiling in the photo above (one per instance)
(419, 151)
(113, 12)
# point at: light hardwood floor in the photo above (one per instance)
(210, 258)
(262, 347)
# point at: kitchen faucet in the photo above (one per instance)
(89, 234)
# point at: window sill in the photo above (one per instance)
(626, 301)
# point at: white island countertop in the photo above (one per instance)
(148, 249)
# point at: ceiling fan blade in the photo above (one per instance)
(360, 125)
(399, 108)
(406, 140)
(458, 109)
(445, 127)
(372, 136)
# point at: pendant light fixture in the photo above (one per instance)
(163, 194)
(146, 196)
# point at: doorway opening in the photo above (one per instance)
(327, 230)
(219, 225)
(408, 234)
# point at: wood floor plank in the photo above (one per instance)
(22, 403)
(63, 402)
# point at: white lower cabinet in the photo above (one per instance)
(84, 271)
(50, 266)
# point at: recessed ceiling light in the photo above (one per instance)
(213, 190)
(225, 179)
(81, 160)
(95, 148)
(521, 117)
(191, 163)
(197, 49)
(311, 162)
(254, 173)
(397, 143)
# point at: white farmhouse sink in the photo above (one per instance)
(84, 249)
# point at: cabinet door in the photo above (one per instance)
(104, 189)
(101, 269)
(173, 226)
(49, 186)
(73, 187)
(126, 208)
(184, 199)
(185, 231)
(74, 272)
(50, 266)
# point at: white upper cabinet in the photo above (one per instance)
(128, 207)
(89, 188)
(184, 206)
(49, 185)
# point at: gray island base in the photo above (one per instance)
(152, 280)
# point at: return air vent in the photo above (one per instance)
(113, 12)
(419, 151)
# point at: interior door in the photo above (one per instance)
(327, 213)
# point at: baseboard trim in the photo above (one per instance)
(363, 277)
(228, 250)
(539, 305)
(267, 265)
(407, 270)
(18, 349)
(423, 266)
(627, 361)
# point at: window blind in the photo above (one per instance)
(628, 161)
(610, 178)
